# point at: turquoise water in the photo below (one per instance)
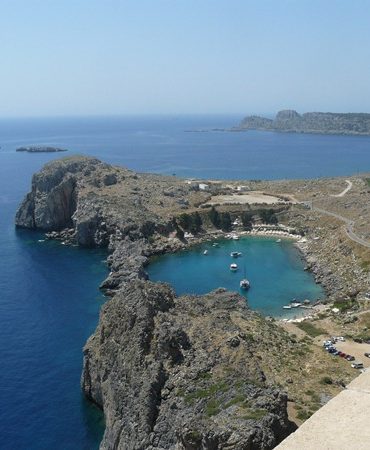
(275, 271)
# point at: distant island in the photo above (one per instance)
(290, 121)
(40, 149)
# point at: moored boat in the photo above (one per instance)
(244, 284)
(233, 267)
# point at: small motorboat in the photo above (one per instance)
(236, 254)
(235, 237)
(278, 241)
(215, 244)
(244, 284)
(287, 307)
(233, 267)
(205, 252)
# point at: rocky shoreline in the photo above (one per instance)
(178, 373)
(289, 121)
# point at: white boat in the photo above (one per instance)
(244, 284)
(233, 267)
(295, 304)
(278, 240)
(235, 237)
(234, 254)
(205, 252)
(215, 244)
(287, 307)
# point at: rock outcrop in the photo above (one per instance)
(311, 122)
(53, 198)
(181, 373)
(103, 203)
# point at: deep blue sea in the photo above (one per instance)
(49, 300)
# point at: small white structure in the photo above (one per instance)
(203, 186)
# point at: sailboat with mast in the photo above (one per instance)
(244, 283)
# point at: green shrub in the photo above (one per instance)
(214, 217)
(326, 380)
(212, 408)
(255, 414)
(268, 216)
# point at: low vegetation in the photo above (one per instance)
(311, 329)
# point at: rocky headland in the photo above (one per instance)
(312, 122)
(191, 372)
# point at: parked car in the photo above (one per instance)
(367, 354)
(342, 355)
(350, 358)
(357, 365)
(358, 340)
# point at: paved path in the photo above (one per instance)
(344, 192)
(342, 424)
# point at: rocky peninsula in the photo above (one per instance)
(311, 122)
(192, 372)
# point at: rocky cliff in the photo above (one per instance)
(169, 373)
(182, 373)
(103, 203)
(312, 122)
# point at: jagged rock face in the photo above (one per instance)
(53, 198)
(180, 373)
(51, 203)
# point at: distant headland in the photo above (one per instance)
(40, 149)
(291, 121)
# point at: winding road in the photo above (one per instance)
(344, 192)
(348, 223)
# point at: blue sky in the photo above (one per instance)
(183, 56)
